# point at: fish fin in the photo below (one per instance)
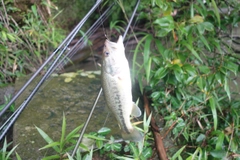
(135, 135)
(120, 39)
(136, 112)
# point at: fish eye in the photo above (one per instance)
(106, 53)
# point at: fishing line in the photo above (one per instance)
(8, 123)
(80, 44)
(62, 48)
(100, 91)
(64, 44)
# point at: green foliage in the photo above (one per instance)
(188, 67)
(97, 143)
(64, 145)
(7, 99)
(5, 154)
(24, 48)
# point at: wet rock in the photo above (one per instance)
(46, 109)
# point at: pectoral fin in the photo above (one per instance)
(136, 112)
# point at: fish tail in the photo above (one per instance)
(135, 135)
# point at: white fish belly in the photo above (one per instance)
(118, 96)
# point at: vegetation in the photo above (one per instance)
(189, 63)
(96, 142)
(24, 46)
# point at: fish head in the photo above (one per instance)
(113, 56)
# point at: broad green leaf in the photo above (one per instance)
(124, 158)
(218, 153)
(203, 39)
(201, 28)
(192, 50)
(160, 73)
(196, 19)
(99, 144)
(116, 147)
(200, 138)
(220, 139)
(34, 10)
(147, 153)
(214, 111)
(104, 131)
(219, 77)
(164, 25)
(134, 149)
(208, 26)
(189, 69)
(231, 66)
(155, 95)
(73, 133)
(204, 69)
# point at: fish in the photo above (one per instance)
(117, 88)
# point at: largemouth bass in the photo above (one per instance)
(117, 88)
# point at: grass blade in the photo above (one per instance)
(214, 111)
(47, 138)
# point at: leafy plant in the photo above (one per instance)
(24, 48)
(5, 154)
(7, 99)
(188, 67)
(64, 145)
(96, 142)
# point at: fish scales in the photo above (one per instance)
(116, 83)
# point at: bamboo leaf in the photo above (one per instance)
(216, 11)
(104, 131)
(220, 139)
(214, 111)
(18, 157)
(203, 39)
(177, 154)
(73, 133)
(226, 87)
(47, 138)
(136, 51)
(51, 157)
(192, 50)
(50, 145)
(63, 131)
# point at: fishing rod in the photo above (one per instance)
(68, 39)
(100, 91)
(79, 44)
(62, 48)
